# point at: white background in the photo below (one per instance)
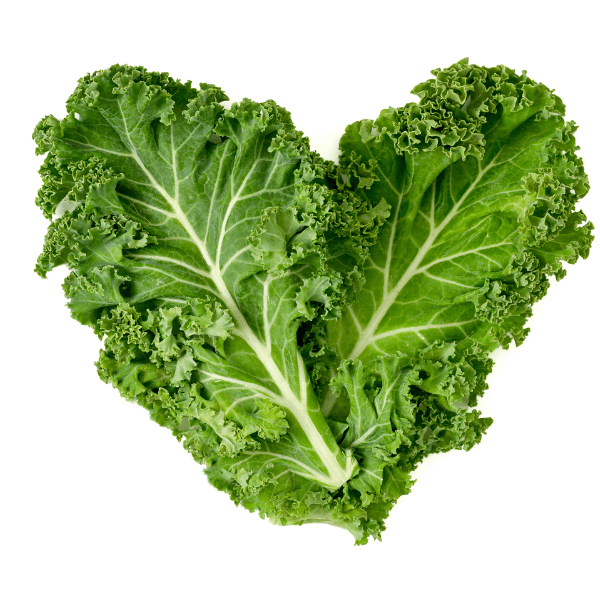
(98, 502)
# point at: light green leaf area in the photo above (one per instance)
(481, 178)
(196, 238)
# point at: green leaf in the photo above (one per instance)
(311, 333)
(198, 241)
(482, 178)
